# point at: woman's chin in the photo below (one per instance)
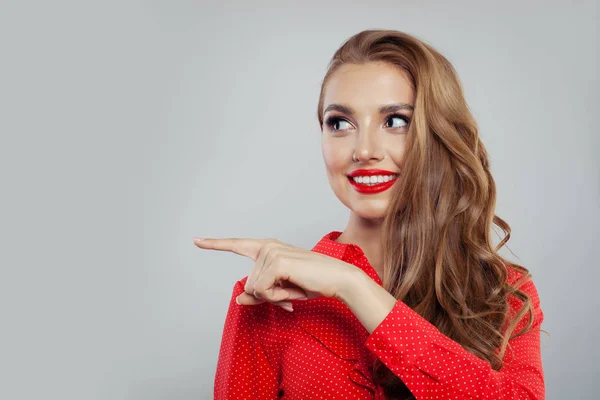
(365, 208)
(369, 212)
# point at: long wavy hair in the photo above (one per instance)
(438, 253)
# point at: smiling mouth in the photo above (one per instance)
(373, 180)
(372, 184)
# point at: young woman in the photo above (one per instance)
(412, 299)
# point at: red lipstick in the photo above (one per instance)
(375, 188)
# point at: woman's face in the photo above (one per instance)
(367, 109)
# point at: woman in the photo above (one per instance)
(412, 299)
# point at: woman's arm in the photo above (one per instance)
(435, 366)
(243, 371)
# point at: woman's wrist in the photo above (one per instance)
(367, 300)
(351, 285)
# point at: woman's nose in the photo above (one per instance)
(368, 147)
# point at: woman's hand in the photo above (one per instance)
(283, 272)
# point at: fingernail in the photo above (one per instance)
(198, 239)
(302, 298)
(236, 300)
(288, 308)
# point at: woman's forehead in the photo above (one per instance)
(368, 86)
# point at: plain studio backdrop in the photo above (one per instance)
(128, 127)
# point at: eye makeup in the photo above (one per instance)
(332, 120)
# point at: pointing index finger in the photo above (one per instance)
(242, 246)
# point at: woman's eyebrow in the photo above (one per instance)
(388, 108)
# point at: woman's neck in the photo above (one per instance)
(366, 234)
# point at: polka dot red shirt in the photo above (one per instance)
(322, 351)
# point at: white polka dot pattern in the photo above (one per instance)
(322, 351)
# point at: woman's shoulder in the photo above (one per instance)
(523, 280)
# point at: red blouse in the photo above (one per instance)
(322, 351)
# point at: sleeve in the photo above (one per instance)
(243, 370)
(434, 366)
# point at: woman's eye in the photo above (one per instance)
(340, 124)
(337, 124)
(401, 121)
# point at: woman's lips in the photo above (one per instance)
(376, 188)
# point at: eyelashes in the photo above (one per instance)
(333, 120)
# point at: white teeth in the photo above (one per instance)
(373, 179)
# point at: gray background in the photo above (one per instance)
(130, 127)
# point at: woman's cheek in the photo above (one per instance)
(337, 155)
